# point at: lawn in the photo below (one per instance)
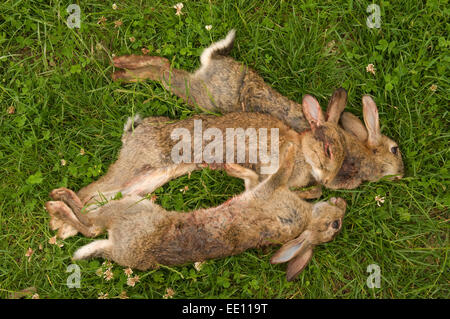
(61, 118)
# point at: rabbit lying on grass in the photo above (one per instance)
(142, 234)
(145, 160)
(225, 85)
(319, 151)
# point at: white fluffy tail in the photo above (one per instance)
(131, 123)
(98, 248)
(221, 47)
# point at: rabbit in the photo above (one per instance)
(143, 235)
(225, 85)
(381, 156)
(145, 160)
(220, 84)
(149, 146)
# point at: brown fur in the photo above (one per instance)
(148, 148)
(227, 85)
(145, 162)
(143, 235)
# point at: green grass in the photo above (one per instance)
(58, 82)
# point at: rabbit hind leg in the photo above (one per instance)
(64, 230)
(72, 200)
(150, 180)
(136, 75)
(133, 61)
(138, 68)
(66, 215)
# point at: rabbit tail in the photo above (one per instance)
(130, 125)
(99, 248)
(221, 47)
(132, 122)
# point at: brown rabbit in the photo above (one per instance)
(146, 159)
(143, 235)
(223, 84)
(220, 84)
(149, 148)
(381, 157)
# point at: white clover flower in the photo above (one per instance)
(379, 200)
(131, 281)
(52, 241)
(108, 274)
(185, 189)
(128, 271)
(370, 68)
(178, 6)
(169, 293)
(29, 253)
(103, 296)
(198, 265)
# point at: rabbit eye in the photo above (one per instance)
(394, 150)
(327, 149)
(335, 224)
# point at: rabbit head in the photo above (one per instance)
(384, 154)
(324, 146)
(325, 223)
(326, 220)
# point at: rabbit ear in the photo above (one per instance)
(312, 111)
(352, 124)
(336, 105)
(295, 247)
(297, 264)
(370, 112)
